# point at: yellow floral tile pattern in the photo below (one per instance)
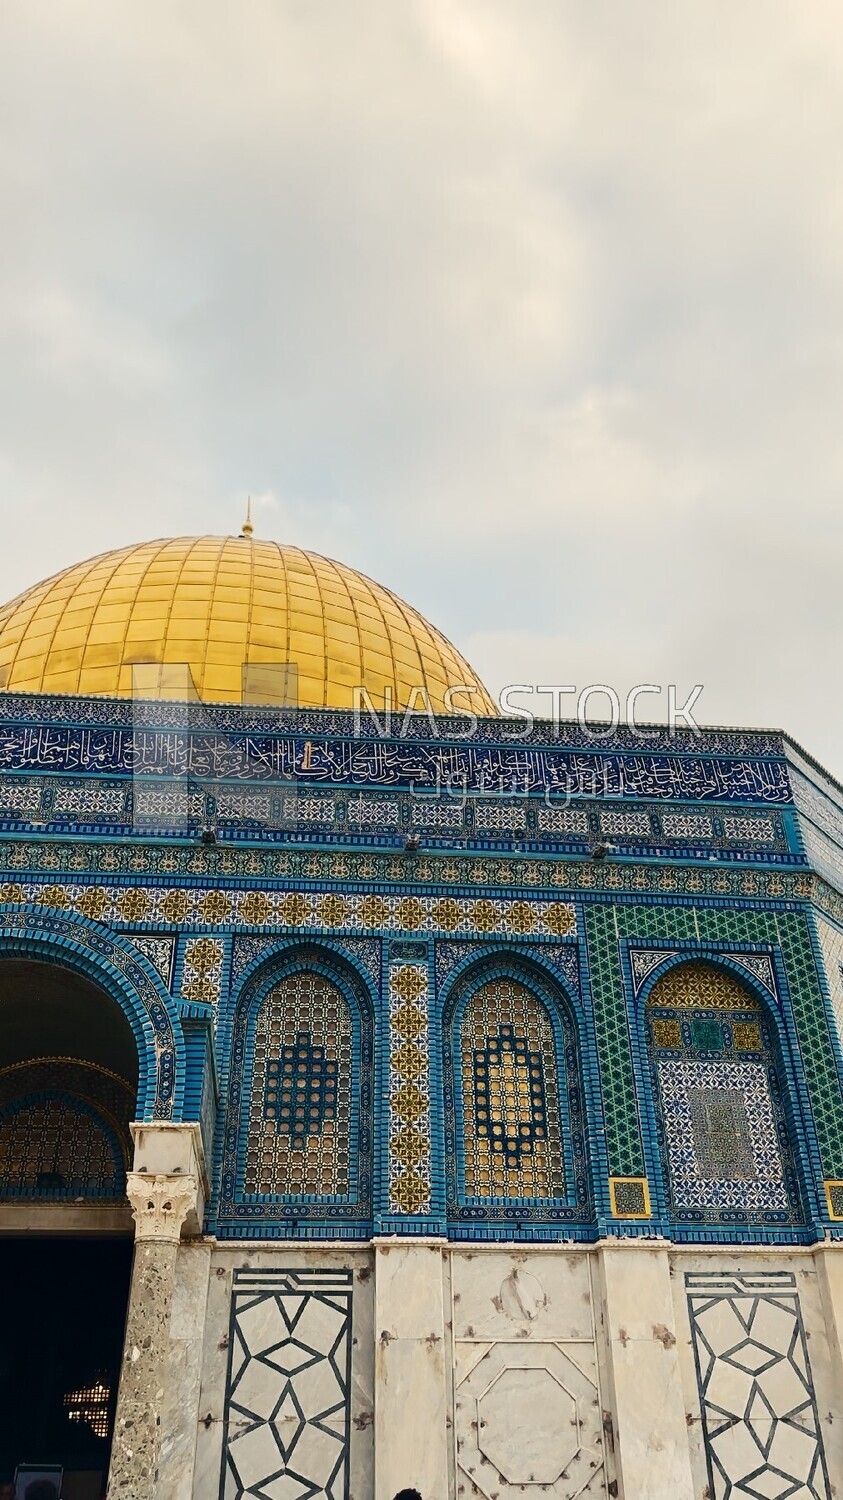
(306, 910)
(409, 1100)
(201, 980)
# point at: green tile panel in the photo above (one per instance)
(620, 1106)
(719, 926)
(815, 1042)
(603, 927)
(659, 923)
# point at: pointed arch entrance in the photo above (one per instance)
(69, 1074)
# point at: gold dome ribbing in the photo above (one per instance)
(218, 604)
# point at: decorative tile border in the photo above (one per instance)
(268, 815)
(111, 714)
(815, 1030)
(304, 910)
(409, 1089)
(624, 1144)
(202, 751)
(202, 971)
(200, 862)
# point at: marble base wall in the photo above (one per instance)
(528, 1388)
(643, 1392)
(285, 1380)
(491, 1372)
(761, 1372)
(412, 1370)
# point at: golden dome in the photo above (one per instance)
(219, 618)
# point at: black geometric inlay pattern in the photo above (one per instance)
(759, 1412)
(286, 1425)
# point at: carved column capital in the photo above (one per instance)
(160, 1203)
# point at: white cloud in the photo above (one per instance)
(530, 311)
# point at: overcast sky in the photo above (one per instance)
(533, 311)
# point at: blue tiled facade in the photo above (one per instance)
(192, 861)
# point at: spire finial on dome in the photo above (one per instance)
(247, 529)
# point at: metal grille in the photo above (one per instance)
(511, 1132)
(300, 1103)
(57, 1146)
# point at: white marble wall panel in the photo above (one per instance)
(265, 1360)
(184, 1372)
(412, 1370)
(644, 1387)
(528, 1413)
(759, 1375)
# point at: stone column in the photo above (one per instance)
(161, 1202)
(651, 1434)
(412, 1367)
(828, 1259)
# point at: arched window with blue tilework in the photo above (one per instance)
(300, 1101)
(722, 1124)
(296, 1147)
(514, 1106)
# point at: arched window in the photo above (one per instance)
(511, 1135)
(299, 1124)
(64, 1131)
(721, 1119)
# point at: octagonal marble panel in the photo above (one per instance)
(523, 1450)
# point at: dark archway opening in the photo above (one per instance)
(61, 1341)
(68, 1085)
(68, 1088)
(46, 1010)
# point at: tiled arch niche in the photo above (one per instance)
(720, 1101)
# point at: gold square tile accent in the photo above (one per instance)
(834, 1197)
(629, 1197)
